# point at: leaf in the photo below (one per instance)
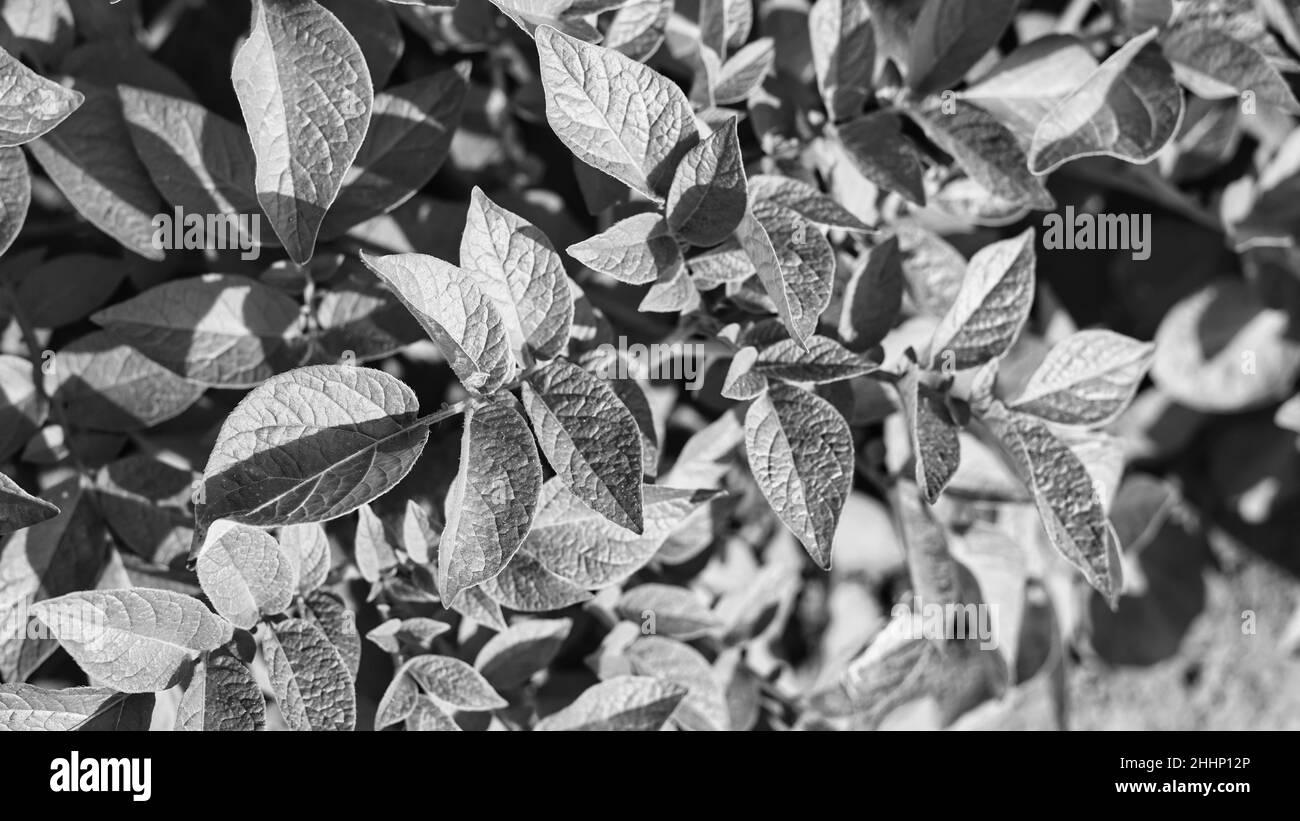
(673, 292)
(339, 624)
(843, 55)
(398, 701)
(396, 635)
(15, 195)
(872, 298)
(801, 197)
(1025, 86)
(705, 705)
(708, 195)
(103, 385)
(875, 144)
(800, 281)
(1088, 378)
(525, 585)
(19, 509)
(223, 696)
(22, 408)
(91, 160)
(311, 683)
(410, 134)
(1214, 65)
(635, 250)
(932, 433)
(628, 703)
(491, 503)
(61, 555)
(637, 28)
(511, 657)
(590, 438)
(68, 288)
(429, 717)
(613, 113)
(308, 551)
(743, 382)
(1067, 500)
(992, 305)
(516, 267)
(374, 555)
(375, 27)
(308, 446)
(453, 682)
(33, 105)
(199, 162)
(1130, 108)
(985, 150)
(578, 544)
(529, 15)
(824, 361)
(137, 641)
(42, 29)
(677, 612)
(1222, 350)
(801, 452)
(25, 707)
(245, 575)
(305, 92)
(459, 317)
(948, 38)
(478, 607)
(744, 71)
(219, 330)
(418, 535)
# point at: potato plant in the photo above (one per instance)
(631, 364)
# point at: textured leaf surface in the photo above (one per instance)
(801, 197)
(217, 329)
(516, 267)
(311, 683)
(102, 384)
(20, 509)
(1067, 501)
(933, 435)
(29, 708)
(843, 54)
(222, 696)
(1129, 109)
(875, 144)
(456, 313)
(1024, 88)
(308, 551)
(1088, 378)
(491, 503)
(525, 585)
(627, 703)
(245, 574)
(511, 657)
(824, 361)
(708, 196)
(801, 452)
(992, 305)
(32, 104)
(306, 95)
(613, 113)
(590, 438)
(453, 682)
(705, 705)
(138, 641)
(310, 445)
(578, 544)
(635, 250)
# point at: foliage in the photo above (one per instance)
(413, 408)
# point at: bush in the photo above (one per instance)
(613, 365)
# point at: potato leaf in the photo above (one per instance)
(306, 95)
(1088, 378)
(222, 695)
(801, 452)
(613, 113)
(137, 641)
(308, 446)
(708, 195)
(989, 310)
(311, 683)
(627, 703)
(635, 250)
(491, 503)
(245, 574)
(33, 105)
(511, 657)
(590, 438)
